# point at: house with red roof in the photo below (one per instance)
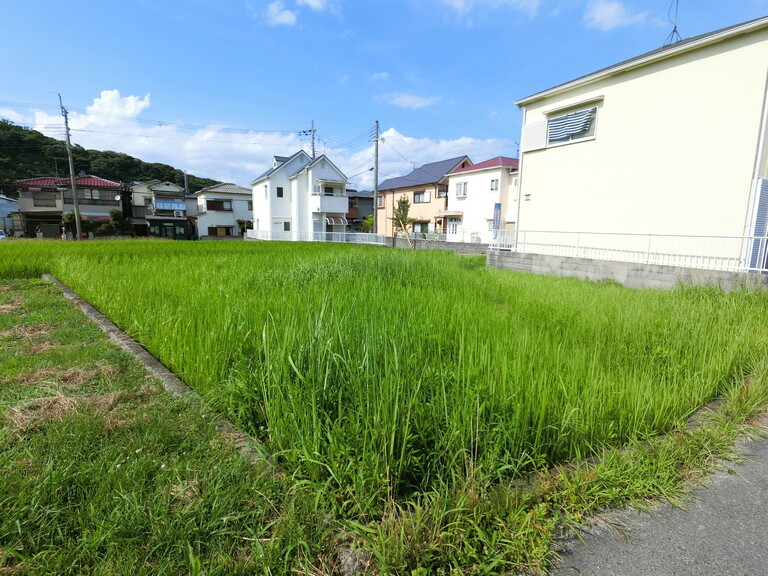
(482, 199)
(45, 201)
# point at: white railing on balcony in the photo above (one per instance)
(341, 237)
(729, 253)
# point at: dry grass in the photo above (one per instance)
(38, 411)
(65, 379)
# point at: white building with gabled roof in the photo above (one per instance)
(223, 210)
(482, 199)
(299, 198)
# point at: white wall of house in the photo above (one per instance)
(209, 217)
(475, 194)
(273, 213)
(304, 206)
(673, 152)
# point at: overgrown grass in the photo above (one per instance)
(410, 392)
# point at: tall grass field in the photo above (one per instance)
(407, 393)
(387, 374)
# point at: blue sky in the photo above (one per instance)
(217, 87)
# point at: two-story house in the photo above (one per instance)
(221, 209)
(482, 199)
(360, 207)
(45, 201)
(299, 198)
(662, 158)
(427, 191)
(162, 209)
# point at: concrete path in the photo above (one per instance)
(722, 530)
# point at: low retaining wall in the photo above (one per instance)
(460, 247)
(629, 274)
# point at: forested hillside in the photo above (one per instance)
(26, 153)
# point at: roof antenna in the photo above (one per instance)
(674, 36)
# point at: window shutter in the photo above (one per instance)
(570, 124)
(757, 258)
(427, 196)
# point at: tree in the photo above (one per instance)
(367, 224)
(400, 219)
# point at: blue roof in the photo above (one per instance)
(427, 174)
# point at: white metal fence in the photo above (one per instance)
(341, 237)
(730, 253)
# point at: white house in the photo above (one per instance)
(482, 198)
(299, 198)
(219, 207)
(662, 157)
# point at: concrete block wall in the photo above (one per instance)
(632, 275)
(459, 247)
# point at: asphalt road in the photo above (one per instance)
(722, 530)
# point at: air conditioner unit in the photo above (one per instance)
(178, 213)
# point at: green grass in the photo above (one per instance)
(409, 395)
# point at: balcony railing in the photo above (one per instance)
(340, 237)
(727, 253)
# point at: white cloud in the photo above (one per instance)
(317, 5)
(11, 115)
(410, 101)
(278, 15)
(398, 153)
(530, 7)
(114, 108)
(606, 15)
(380, 77)
(114, 122)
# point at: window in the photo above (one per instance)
(421, 227)
(495, 184)
(279, 191)
(328, 190)
(222, 205)
(352, 203)
(250, 205)
(442, 193)
(461, 189)
(90, 194)
(420, 197)
(266, 191)
(286, 226)
(573, 126)
(379, 201)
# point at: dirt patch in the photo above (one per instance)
(47, 409)
(185, 493)
(52, 408)
(40, 347)
(65, 379)
(108, 402)
(7, 288)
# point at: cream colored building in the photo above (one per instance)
(426, 188)
(668, 145)
(482, 199)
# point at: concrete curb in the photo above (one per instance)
(249, 446)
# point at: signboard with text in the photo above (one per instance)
(170, 205)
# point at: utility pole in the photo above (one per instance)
(376, 179)
(76, 208)
(312, 131)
